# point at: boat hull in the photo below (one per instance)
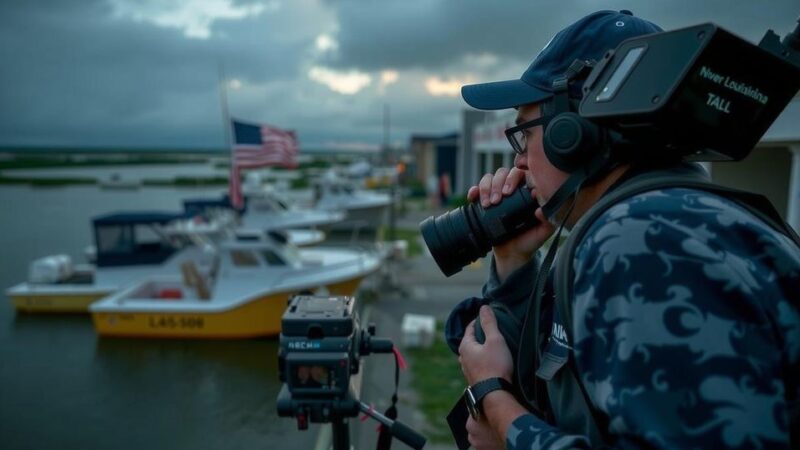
(57, 303)
(257, 318)
(364, 218)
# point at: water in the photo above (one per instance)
(63, 387)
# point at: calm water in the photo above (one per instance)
(63, 387)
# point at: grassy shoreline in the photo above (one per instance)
(70, 181)
(67, 161)
(50, 182)
(438, 381)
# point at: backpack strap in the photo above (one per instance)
(685, 176)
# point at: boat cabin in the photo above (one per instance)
(134, 238)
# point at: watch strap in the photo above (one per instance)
(482, 388)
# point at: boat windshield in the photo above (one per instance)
(244, 258)
(291, 254)
(272, 258)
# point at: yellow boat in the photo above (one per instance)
(128, 247)
(244, 296)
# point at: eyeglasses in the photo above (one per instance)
(518, 135)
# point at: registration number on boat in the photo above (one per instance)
(173, 322)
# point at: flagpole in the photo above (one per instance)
(223, 100)
(234, 187)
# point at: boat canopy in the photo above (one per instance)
(133, 238)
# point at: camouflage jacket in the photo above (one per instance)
(687, 326)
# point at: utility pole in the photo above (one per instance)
(393, 184)
(386, 125)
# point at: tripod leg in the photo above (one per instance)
(341, 434)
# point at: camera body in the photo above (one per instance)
(321, 344)
(320, 335)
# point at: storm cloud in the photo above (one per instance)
(125, 73)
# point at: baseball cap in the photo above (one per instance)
(588, 38)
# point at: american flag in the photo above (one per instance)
(258, 146)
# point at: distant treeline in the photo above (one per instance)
(110, 151)
(300, 183)
(83, 160)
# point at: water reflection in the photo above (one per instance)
(63, 387)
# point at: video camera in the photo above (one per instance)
(321, 344)
(700, 91)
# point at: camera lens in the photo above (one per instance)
(462, 235)
(452, 240)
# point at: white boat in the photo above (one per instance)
(117, 181)
(364, 209)
(298, 238)
(128, 246)
(267, 211)
(244, 295)
(219, 211)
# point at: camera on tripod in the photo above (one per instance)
(321, 344)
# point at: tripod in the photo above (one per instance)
(336, 411)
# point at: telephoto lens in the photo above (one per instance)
(462, 235)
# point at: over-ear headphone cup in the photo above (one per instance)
(569, 139)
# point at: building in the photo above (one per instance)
(435, 156)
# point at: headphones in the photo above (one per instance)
(570, 140)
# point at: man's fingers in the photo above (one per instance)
(515, 178)
(488, 322)
(485, 189)
(469, 333)
(498, 181)
(472, 194)
(468, 339)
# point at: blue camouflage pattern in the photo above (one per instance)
(687, 327)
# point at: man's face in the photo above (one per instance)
(539, 173)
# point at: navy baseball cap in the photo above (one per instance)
(588, 38)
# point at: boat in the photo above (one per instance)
(117, 181)
(364, 209)
(218, 211)
(128, 246)
(267, 211)
(243, 296)
(298, 238)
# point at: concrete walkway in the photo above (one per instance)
(410, 286)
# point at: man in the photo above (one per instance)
(685, 309)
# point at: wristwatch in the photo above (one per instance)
(473, 395)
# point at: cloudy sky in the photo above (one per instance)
(145, 73)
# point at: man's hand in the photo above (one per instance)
(482, 437)
(488, 360)
(518, 251)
